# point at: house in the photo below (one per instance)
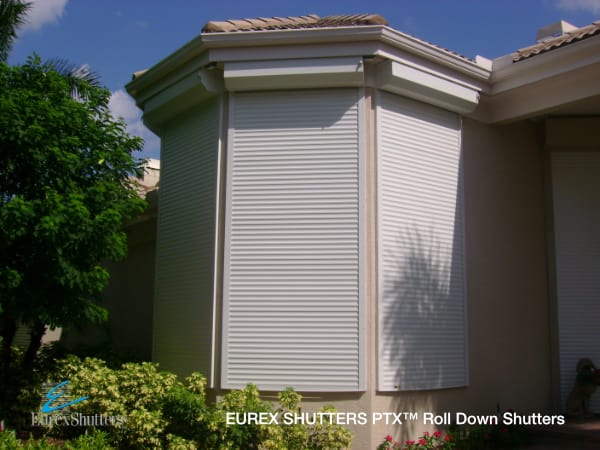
(130, 291)
(377, 221)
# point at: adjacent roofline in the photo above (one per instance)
(567, 38)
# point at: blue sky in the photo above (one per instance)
(119, 37)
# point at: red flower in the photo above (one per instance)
(422, 442)
(426, 434)
(448, 438)
(389, 438)
(410, 442)
(437, 434)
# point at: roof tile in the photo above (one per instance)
(288, 23)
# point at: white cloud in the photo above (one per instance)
(122, 105)
(592, 6)
(43, 12)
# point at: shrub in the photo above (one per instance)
(153, 409)
(96, 440)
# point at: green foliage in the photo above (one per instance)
(64, 171)
(8, 440)
(65, 192)
(159, 411)
(96, 440)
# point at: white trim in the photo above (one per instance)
(462, 193)
(362, 240)
(378, 244)
(217, 243)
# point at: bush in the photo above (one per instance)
(96, 440)
(153, 409)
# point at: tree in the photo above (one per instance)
(12, 15)
(65, 191)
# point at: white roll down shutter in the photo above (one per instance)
(292, 279)
(422, 323)
(576, 192)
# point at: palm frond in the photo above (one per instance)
(13, 14)
(76, 74)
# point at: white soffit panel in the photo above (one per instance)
(294, 73)
(427, 87)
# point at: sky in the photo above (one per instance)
(119, 37)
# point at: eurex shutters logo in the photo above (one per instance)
(55, 411)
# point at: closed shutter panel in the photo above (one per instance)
(291, 282)
(422, 335)
(183, 305)
(576, 191)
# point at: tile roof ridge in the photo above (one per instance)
(292, 22)
(259, 23)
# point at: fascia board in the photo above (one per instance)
(294, 73)
(168, 70)
(292, 36)
(427, 87)
(432, 52)
(294, 51)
